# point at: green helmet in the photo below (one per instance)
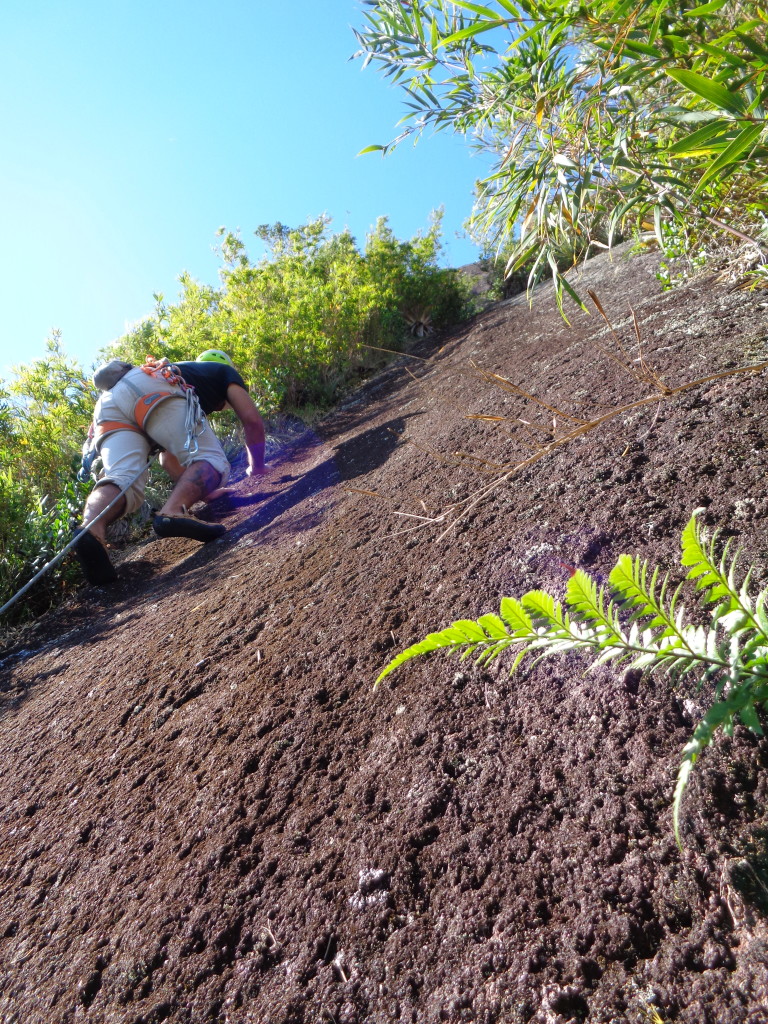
(214, 355)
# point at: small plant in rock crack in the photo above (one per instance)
(640, 619)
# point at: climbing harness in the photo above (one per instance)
(86, 529)
(194, 421)
(160, 369)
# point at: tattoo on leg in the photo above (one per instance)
(198, 474)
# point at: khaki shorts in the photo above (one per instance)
(124, 452)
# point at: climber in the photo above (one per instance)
(163, 405)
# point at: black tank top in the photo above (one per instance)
(210, 381)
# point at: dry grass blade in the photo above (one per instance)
(586, 428)
(506, 385)
(423, 519)
(593, 295)
(551, 440)
(646, 375)
(395, 352)
(649, 431)
(637, 331)
(550, 431)
(490, 419)
(626, 362)
(528, 427)
(531, 440)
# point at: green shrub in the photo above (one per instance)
(33, 530)
(44, 415)
(301, 322)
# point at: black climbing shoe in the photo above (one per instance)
(187, 526)
(94, 559)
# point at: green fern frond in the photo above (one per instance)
(716, 576)
(748, 715)
(431, 642)
(740, 702)
(493, 626)
(638, 596)
(516, 617)
(732, 653)
(544, 609)
(469, 630)
(703, 567)
(754, 656)
(760, 612)
(588, 603)
(465, 636)
(584, 597)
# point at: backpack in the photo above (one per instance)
(110, 373)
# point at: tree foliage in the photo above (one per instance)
(601, 117)
(301, 321)
(44, 414)
(45, 411)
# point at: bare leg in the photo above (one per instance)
(91, 547)
(172, 466)
(175, 471)
(197, 480)
(97, 501)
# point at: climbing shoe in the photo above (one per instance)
(187, 526)
(94, 559)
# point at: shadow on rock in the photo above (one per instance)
(352, 458)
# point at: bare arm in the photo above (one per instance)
(245, 409)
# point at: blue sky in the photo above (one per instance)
(131, 131)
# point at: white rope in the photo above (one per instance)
(86, 529)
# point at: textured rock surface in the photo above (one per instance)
(208, 814)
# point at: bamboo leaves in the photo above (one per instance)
(715, 94)
(639, 620)
(598, 117)
(712, 138)
(731, 155)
